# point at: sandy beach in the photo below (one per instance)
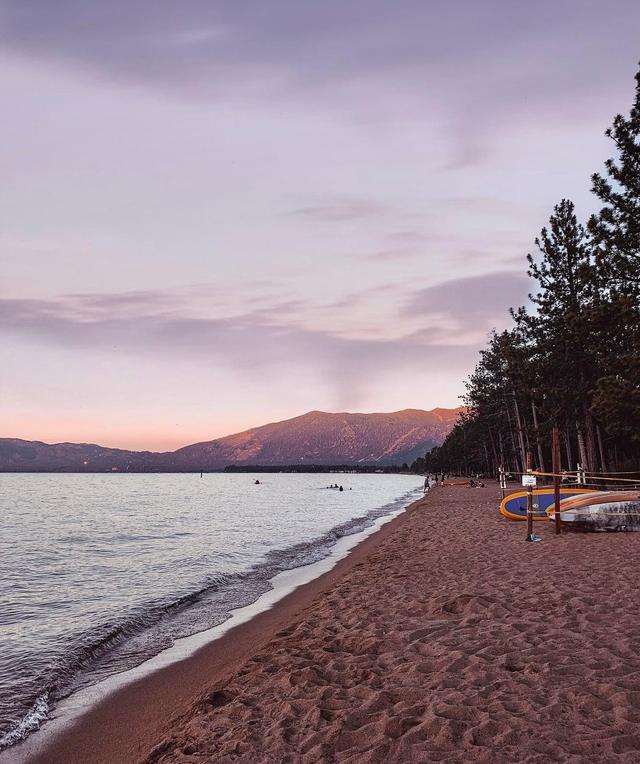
(443, 637)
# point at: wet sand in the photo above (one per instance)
(443, 637)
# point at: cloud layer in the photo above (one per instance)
(274, 343)
(174, 323)
(219, 213)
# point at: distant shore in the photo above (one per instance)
(443, 636)
(356, 469)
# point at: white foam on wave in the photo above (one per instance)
(32, 721)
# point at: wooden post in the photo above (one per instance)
(555, 454)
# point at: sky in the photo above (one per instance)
(215, 214)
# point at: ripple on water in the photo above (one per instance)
(88, 591)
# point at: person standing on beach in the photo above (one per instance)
(426, 484)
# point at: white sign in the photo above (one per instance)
(528, 480)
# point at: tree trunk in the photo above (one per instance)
(582, 450)
(519, 468)
(567, 444)
(538, 443)
(590, 438)
(486, 457)
(523, 450)
(603, 461)
(496, 461)
(516, 458)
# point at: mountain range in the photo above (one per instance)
(317, 437)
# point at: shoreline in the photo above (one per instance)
(81, 724)
(444, 636)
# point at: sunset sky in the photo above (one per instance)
(218, 214)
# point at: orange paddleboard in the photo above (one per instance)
(514, 507)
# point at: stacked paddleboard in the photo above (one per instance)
(514, 506)
(600, 511)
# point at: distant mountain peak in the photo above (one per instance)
(317, 437)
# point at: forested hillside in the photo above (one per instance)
(572, 356)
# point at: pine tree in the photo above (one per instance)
(574, 360)
(562, 329)
(616, 234)
(616, 228)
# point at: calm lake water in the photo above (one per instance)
(100, 572)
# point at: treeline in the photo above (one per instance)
(572, 356)
(359, 468)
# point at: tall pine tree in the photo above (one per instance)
(561, 331)
(616, 234)
(574, 360)
(616, 228)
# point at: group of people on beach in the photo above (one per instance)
(431, 480)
